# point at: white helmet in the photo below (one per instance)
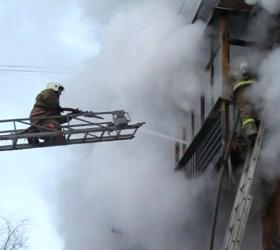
(244, 67)
(55, 86)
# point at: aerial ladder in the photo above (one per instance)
(243, 200)
(81, 127)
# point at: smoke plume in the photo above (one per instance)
(125, 195)
(272, 6)
(266, 97)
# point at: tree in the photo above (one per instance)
(13, 234)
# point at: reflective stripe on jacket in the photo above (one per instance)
(242, 83)
(246, 121)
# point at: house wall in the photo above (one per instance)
(234, 4)
(240, 27)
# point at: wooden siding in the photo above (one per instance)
(234, 4)
(206, 11)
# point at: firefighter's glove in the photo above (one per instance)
(60, 110)
(76, 111)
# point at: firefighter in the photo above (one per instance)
(47, 104)
(241, 84)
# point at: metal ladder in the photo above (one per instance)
(82, 129)
(243, 199)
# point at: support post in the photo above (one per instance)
(225, 55)
(202, 109)
(212, 70)
(193, 124)
(184, 146)
(225, 59)
(177, 152)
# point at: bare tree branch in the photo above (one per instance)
(13, 236)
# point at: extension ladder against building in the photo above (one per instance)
(243, 199)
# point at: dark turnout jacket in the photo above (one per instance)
(47, 104)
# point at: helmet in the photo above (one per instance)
(244, 67)
(55, 86)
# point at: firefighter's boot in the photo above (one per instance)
(58, 140)
(33, 140)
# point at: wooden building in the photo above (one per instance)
(232, 35)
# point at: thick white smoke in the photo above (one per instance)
(266, 98)
(149, 58)
(102, 11)
(125, 195)
(268, 95)
(273, 6)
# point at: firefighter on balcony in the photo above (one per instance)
(241, 84)
(47, 105)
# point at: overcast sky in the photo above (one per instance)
(37, 33)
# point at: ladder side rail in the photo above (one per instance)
(71, 115)
(244, 189)
(254, 159)
(17, 139)
(238, 207)
(93, 123)
(66, 132)
(37, 126)
(239, 223)
(86, 124)
(236, 204)
(250, 171)
(42, 134)
(40, 118)
(244, 219)
(70, 142)
(87, 114)
(10, 131)
(14, 130)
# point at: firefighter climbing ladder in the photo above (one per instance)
(81, 129)
(243, 199)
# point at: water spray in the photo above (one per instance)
(167, 137)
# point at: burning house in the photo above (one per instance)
(236, 32)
